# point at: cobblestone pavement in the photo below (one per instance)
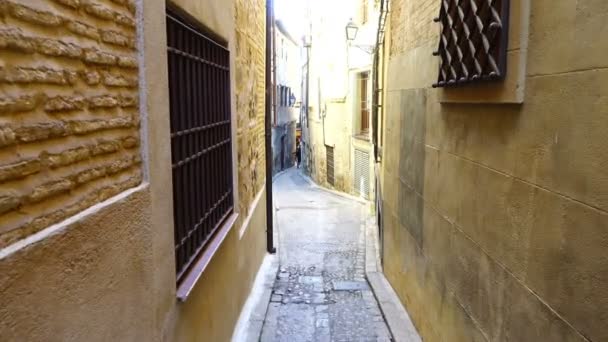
(320, 293)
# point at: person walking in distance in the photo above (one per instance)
(298, 155)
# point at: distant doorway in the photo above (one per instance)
(283, 152)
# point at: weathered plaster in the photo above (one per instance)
(91, 280)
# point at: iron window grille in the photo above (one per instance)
(329, 161)
(201, 152)
(473, 41)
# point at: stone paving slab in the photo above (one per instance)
(350, 286)
(401, 326)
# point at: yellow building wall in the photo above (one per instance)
(495, 215)
(334, 92)
(336, 133)
(108, 273)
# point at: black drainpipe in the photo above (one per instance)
(268, 131)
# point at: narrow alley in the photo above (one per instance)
(320, 293)
(311, 170)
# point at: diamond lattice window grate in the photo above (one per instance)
(473, 41)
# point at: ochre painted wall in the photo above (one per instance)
(495, 215)
(91, 281)
(108, 273)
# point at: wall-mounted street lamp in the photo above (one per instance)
(351, 30)
(351, 33)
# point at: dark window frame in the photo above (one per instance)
(201, 144)
(363, 79)
(473, 42)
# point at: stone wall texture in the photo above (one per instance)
(496, 216)
(250, 21)
(69, 114)
(410, 24)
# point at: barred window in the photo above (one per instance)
(363, 103)
(201, 151)
(364, 11)
(473, 41)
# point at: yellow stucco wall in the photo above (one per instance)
(338, 134)
(91, 281)
(495, 215)
(108, 273)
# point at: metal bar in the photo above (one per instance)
(473, 41)
(201, 153)
(206, 138)
(173, 18)
(198, 59)
(267, 127)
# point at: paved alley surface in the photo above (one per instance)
(320, 293)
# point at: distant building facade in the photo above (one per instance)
(336, 124)
(287, 78)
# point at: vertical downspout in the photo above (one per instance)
(275, 105)
(376, 75)
(308, 45)
(268, 130)
(307, 83)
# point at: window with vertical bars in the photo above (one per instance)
(329, 160)
(362, 174)
(201, 152)
(473, 41)
(364, 103)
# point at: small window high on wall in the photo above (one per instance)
(364, 108)
(473, 41)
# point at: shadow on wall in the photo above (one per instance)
(493, 124)
(412, 162)
(450, 124)
(283, 146)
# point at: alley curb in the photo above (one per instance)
(398, 320)
(279, 174)
(253, 314)
(335, 192)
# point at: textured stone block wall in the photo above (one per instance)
(68, 109)
(410, 26)
(496, 216)
(250, 20)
